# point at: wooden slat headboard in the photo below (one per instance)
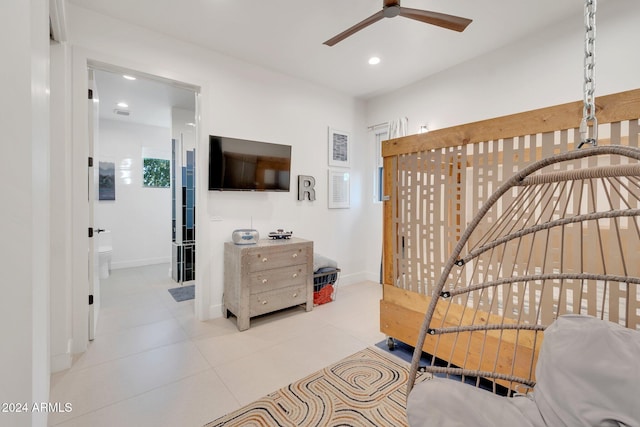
(436, 181)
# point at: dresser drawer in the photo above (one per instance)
(278, 278)
(260, 259)
(265, 302)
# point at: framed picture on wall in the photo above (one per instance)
(339, 183)
(106, 181)
(339, 148)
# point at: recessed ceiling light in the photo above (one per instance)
(374, 60)
(123, 105)
(128, 77)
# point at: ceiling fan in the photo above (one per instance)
(391, 9)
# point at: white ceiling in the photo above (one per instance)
(149, 101)
(288, 35)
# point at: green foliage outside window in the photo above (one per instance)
(156, 173)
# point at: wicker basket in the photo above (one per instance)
(325, 285)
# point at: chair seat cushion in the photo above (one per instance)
(588, 374)
(450, 403)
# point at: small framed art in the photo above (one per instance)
(339, 197)
(106, 181)
(339, 148)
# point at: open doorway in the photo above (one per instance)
(144, 153)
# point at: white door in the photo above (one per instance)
(93, 170)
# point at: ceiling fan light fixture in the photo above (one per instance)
(391, 11)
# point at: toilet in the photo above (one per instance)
(104, 253)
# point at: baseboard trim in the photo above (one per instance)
(215, 311)
(350, 279)
(139, 263)
(63, 361)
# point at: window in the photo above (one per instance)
(156, 173)
(379, 136)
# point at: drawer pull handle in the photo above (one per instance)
(264, 280)
(295, 294)
(295, 275)
(295, 255)
(264, 259)
(264, 302)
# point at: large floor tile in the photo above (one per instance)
(323, 346)
(195, 328)
(116, 321)
(126, 342)
(190, 402)
(253, 376)
(93, 388)
(225, 348)
(282, 325)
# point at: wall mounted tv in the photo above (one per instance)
(244, 165)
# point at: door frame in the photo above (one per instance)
(93, 110)
(81, 62)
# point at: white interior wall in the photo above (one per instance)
(39, 262)
(541, 70)
(242, 100)
(181, 128)
(24, 221)
(140, 217)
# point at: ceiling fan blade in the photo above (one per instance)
(450, 22)
(359, 26)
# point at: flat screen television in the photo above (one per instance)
(244, 165)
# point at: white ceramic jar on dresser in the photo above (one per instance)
(265, 277)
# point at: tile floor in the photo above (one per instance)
(153, 364)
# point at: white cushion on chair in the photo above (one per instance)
(450, 403)
(588, 374)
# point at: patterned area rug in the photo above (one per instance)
(365, 389)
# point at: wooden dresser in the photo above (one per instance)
(265, 277)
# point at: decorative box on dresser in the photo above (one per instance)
(267, 276)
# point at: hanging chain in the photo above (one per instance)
(589, 109)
